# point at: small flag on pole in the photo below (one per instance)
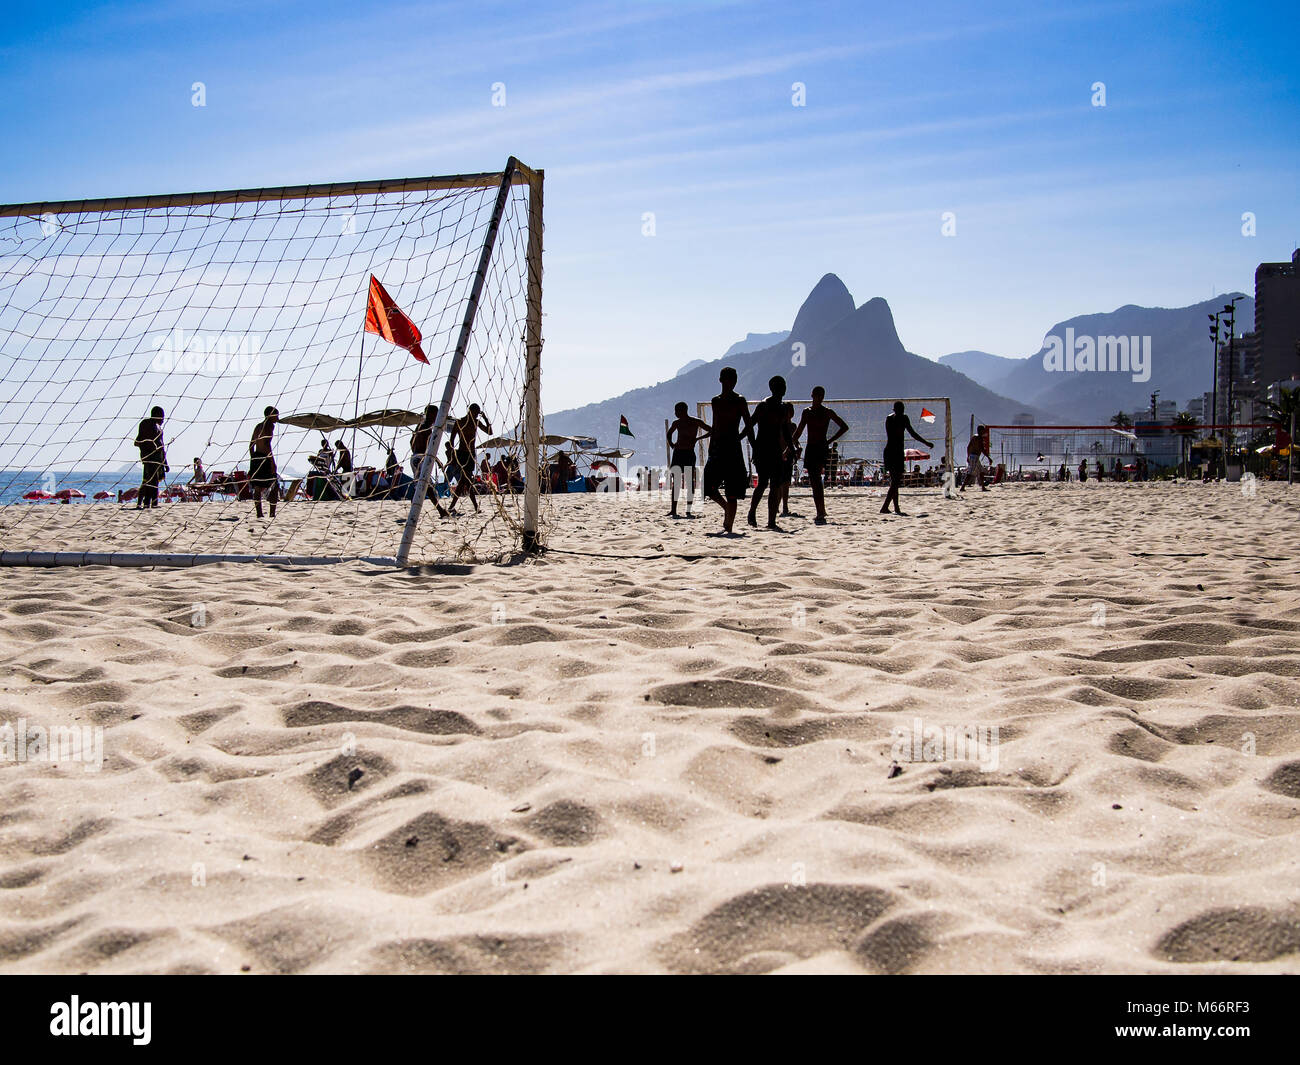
(623, 428)
(927, 416)
(386, 319)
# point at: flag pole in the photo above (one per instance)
(356, 408)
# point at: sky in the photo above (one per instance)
(770, 143)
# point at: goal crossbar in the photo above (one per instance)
(384, 186)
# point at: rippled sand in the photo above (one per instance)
(656, 750)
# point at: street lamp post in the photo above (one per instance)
(1230, 309)
(1214, 394)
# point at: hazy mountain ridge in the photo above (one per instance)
(1181, 361)
(752, 342)
(982, 367)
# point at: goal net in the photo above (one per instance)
(1037, 452)
(859, 453)
(1131, 451)
(349, 308)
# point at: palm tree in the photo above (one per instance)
(1121, 420)
(1287, 405)
(1185, 425)
(1284, 414)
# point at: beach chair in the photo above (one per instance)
(294, 487)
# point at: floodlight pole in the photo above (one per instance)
(1232, 368)
(1230, 311)
(1213, 419)
(457, 361)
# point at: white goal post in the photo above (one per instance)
(214, 306)
(864, 443)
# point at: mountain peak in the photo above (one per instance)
(878, 320)
(827, 303)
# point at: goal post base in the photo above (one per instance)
(124, 558)
(532, 543)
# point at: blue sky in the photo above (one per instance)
(685, 110)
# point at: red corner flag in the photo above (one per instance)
(385, 318)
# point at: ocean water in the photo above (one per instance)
(14, 484)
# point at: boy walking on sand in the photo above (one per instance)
(772, 449)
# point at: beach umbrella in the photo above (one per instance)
(916, 454)
(500, 441)
(69, 493)
(37, 495)
(602, 465)
(103, 495)
(388, 419)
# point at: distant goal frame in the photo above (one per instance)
(705, 406)
(515, 173)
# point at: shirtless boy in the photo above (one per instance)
(262, 474)
(817, 419)
(773, 445)
(725, 469)
(683, 435)
(464, 433)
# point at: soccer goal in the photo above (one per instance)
(349, 307)
(860, 451)
(1123, 452)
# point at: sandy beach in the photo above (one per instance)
(655, 750)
